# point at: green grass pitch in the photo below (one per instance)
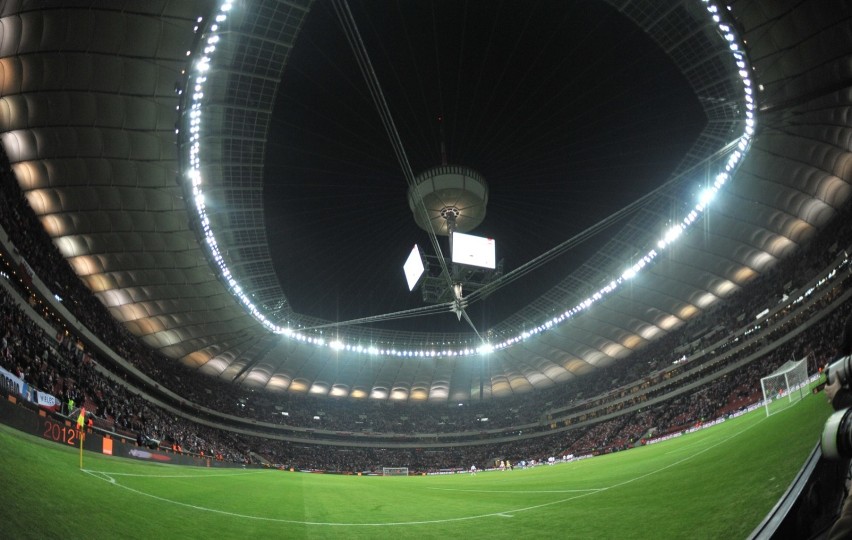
(716, 483)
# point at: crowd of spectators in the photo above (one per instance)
(58, 366)
(617, 396)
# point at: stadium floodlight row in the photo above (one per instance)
(197, 120)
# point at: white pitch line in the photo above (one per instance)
(702, 442)
(687, 458)
(241, 473)
(290, 521)
(519, 491)
(504, 513)
(681, 448)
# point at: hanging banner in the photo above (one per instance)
(13, 383)
(47, 401)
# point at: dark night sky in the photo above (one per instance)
(568, 110)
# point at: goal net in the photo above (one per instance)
(785, 386)
(394, 471)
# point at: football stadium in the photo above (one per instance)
(439, 268)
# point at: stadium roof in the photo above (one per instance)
(119, 118)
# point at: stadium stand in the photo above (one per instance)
(607, 411)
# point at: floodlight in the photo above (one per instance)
(706, 196)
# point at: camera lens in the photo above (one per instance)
(837, 435)
(840, 370)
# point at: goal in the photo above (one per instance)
(785, 386)
(394, 471)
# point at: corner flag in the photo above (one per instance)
(81, 420)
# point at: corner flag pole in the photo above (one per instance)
(81, 422)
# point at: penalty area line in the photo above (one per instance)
(506, 513)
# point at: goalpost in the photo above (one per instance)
(785, 386)
(394, 471)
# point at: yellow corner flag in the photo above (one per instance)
(81, 422)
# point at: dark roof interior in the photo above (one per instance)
(569, 111)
